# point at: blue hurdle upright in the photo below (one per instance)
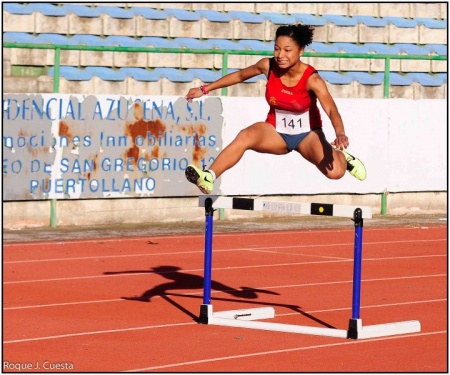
(249, 318)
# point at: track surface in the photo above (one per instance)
(131, 304)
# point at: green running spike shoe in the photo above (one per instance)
(203, 179)
(355, 166)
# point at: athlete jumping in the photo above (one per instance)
(293, 121)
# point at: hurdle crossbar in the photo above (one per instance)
(250, 318)
(299, 208)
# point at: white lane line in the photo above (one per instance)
(97, 332)
(89, 333)
(270, 352)
(264, 248)
(224, 291)
(145, 273)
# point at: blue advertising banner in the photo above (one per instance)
(77, 146)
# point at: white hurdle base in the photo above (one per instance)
(358, 331)
(246, 314)
(248, 318)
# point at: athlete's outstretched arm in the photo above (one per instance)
(318, 85)
(261, 67)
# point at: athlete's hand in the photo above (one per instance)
(340, 142)
(196, 92)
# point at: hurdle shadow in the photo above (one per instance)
(294, 308)
(180, 280)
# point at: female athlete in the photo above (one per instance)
(293, 121)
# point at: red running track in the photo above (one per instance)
(131, 304)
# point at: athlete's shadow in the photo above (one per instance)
(181, 280)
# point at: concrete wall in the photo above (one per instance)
(35, 214)
(386, 141)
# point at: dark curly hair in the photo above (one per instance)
(302, 34)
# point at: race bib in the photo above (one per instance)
(291, 123)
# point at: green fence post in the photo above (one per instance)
(224, 91)
(384, 202)
(56, 70)
(387, 77)
(56, 73)
(387, 83)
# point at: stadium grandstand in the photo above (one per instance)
(399, 29)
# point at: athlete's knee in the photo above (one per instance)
(333, 171)
(335, 174)
(247, 136)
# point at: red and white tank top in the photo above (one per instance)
(296, 100)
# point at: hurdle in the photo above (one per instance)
(250, 318)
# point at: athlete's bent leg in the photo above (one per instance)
(317, 150)
(260, 137)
